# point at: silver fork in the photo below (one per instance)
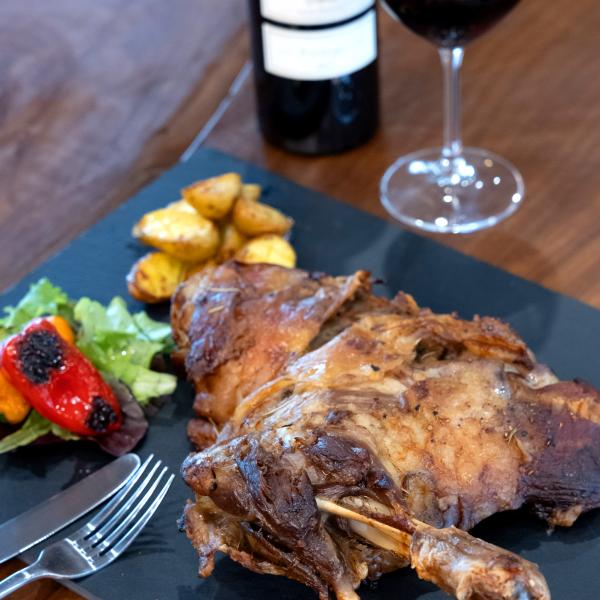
(102, 539)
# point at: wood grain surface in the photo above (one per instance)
(97, 98)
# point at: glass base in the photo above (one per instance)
(451, 195)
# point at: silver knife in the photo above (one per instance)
(43, 520)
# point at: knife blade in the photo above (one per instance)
(45, 519)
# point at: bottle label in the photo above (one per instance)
(312, 12)
(322, 53)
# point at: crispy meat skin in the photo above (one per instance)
(237, 326)
(423, 422)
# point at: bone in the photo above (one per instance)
(459, 563)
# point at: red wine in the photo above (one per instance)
(315, 69)
(450, 23)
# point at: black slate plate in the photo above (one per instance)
(331, 237)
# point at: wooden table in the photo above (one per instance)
(97, 98)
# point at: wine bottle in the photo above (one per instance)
(315, 69)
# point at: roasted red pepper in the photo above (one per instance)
(59, 381)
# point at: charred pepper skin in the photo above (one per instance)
(59, 381)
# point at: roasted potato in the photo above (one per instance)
(272, 249)
(251, 191)
(199, 267)
(187, 236)
(214, 197)
(181, 205)
(255, 218)
(212, 223)
(231, 241)
(154, 277)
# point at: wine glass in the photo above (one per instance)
(451, 189)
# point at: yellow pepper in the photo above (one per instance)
(13, 406)
(64, 329)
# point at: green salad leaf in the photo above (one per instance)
(34, 427)
(43, 298)
(123, 345)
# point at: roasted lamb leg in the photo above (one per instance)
(382, 446)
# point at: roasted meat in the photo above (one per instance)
(392, 435)
(237, 326)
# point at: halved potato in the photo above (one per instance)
(187, 236)
(251, 191)
(255, 218)
(181, 205)
(214, 197)
(231, 241)
(155, 276)
(272, 249)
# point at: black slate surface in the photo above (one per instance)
(336, 238)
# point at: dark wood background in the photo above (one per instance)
(98, 98)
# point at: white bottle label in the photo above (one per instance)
(312, 12)
(322, 53)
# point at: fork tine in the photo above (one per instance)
(105, 512)
(72, 559)
(103, 541)
(122, 508)
(123, 543)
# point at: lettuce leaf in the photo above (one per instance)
(34, 427)
(134, 426)
(123, 345)
(43, 298)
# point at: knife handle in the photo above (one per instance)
(20, 578)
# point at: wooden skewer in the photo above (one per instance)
(379, 533)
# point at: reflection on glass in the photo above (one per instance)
(452, 188)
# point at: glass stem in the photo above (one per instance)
(452, 59)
